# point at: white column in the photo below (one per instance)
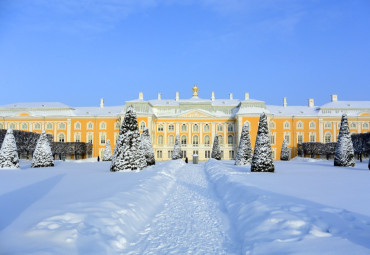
(68, 130)
(321, 130)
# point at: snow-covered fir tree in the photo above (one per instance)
(216, 151)
(344, 154)
(146, 147)
(262, 157)
(42, 156)
(8, 153)
(176, 154)
(285, 151)
(127, 154)
(107, 155)
(244, 154)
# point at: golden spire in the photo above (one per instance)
(195, 90)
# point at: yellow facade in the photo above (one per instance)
(195, 120)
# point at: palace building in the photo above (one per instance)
(196, 120)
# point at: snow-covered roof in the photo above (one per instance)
(347, 105)
(98, 111)
(35, 105)
(292, 110)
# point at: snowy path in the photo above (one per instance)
(191, 221)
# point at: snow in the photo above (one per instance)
(79, 207)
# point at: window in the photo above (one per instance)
(300, 125)
(272, 138)
(286, 125)
(103, 125)
(287, 137)
(272, 125)
(78, 125)
(171, 128)
(220, 128)
(37, 125)
(102, 138)
(117, 125)
(183, 128)
(230, 128)
(196, 153)
(90, 138)
(365, 125)
(61, 138)
(195, 140)
(195, 128)
(300, 138)
(183, 153)
(207, 140)
(220, 139)
(206, 128)
(230, 140)
(170, 154)
(77, 138)
(248, 124)
(327, 138)
(160, 140)
(312, 125)
(171, 140)
(159, 154)
(327, 124)
(222, 154)
(142, 125)
(160, 128)
(1, 126)
(24, 126)
(12, 125)
(183, 140)
(49, 126)
(353, 125)
(90, 125)
(312, 137)
(231, 155)
(62, 126)
(273, 154)
(207, 154)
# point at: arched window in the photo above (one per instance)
(171, 128)
(37, 125)
(272, 125)
(353, 125)
(183, 128)
(103, 125)
(61, 138)
(220, 128)
(327, 124)
(327, 137)
(312, 125)
(77, 138)
(160, 128)
(183, 140)
(207, 140)
(171, 140)
(287, 137)
(248, 124)
(300, 125)
(195, 140)
(195, 128)
(365, 125)
(230, 128)
(90, 125)
(24, 126)
(102, 138)
(78, 125)
(1, 126)
(312, 137)
(12, 125)
(220, 139)
(206, 128)
(300, 138)
(62, 126)
(142, 125)
(286, 125)
(117, 126)
(90, 138)
(230, 140)
(160, 140)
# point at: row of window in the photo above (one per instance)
(195, 140)
(207, 154)
(312, 125)
(195, 128)
(62, 125)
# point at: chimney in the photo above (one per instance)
(334, 98)
(231, 96)
(285, 102)
(141, 96)
(213, 96)
(246, 96)
(311, 102)
(102, 103)
(177, 96)
(159, 96)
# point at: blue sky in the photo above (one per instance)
(76, 52)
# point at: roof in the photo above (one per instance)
(36, 105)
(292, 110)
(348, 105)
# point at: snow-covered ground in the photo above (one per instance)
(79, 207)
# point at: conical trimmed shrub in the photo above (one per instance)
(147, 147)
(216, 151)
(285, 151)
(107, 155)
(8, 153)
(344, 154)
(176, 154)
(244, 154)
(42, 156)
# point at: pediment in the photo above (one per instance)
(196, 114)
